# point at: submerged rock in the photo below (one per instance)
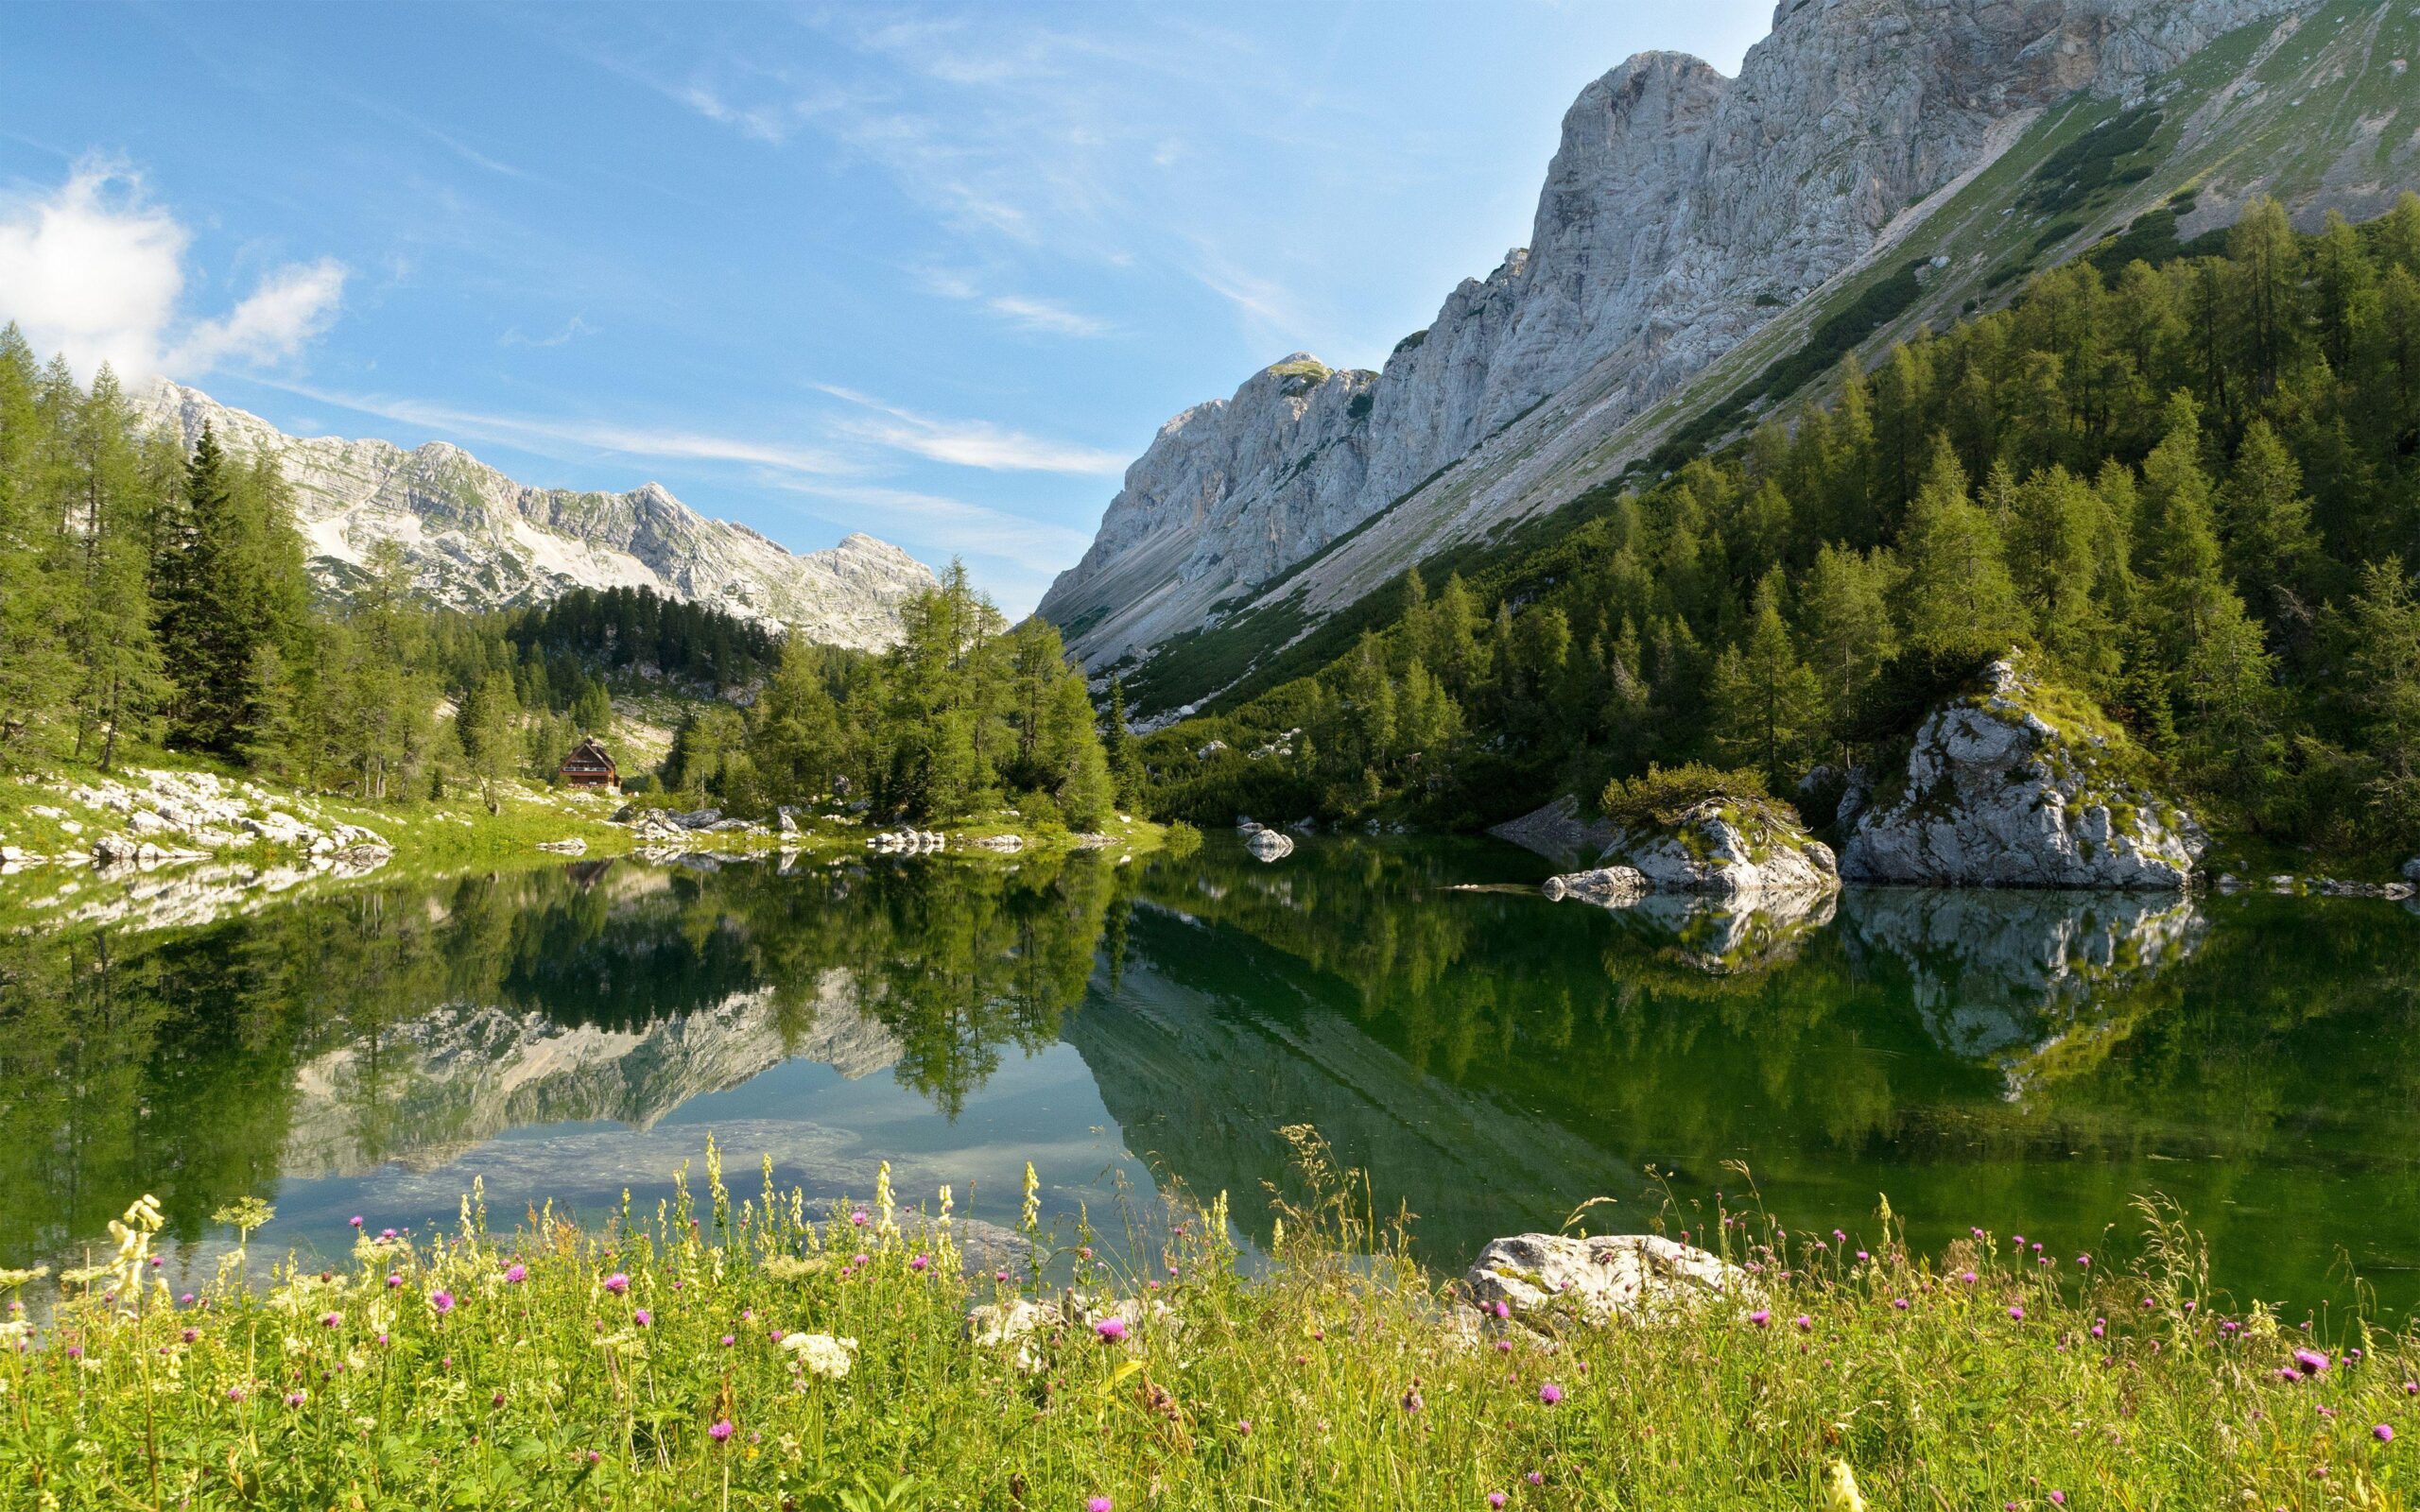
(1640, 1277)
(2016, 785)
(1607, 886)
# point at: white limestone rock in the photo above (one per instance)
(1636, 1276)
(1728, 849)
(2004, 790)
(1269, 845)
(1606, 887)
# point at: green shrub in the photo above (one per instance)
(1660, 798)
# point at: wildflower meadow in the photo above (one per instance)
(746, 1352)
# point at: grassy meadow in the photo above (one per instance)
(740, 1350)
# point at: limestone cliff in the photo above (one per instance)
(1682, 213)
(477, 539)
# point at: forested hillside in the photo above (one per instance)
(2191, 487)
(153, 600)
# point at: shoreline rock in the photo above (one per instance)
(1728, 849)
(2014, 784)
(1642, 1278)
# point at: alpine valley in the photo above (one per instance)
(1703, 249)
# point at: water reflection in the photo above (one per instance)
(2030, 1061)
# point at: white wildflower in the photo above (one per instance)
(821, 1353)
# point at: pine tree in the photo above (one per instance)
(1766, 705)
(119, 685)
(1961, 604)
(485, 726)
(2270, 546)
(1847, 631)
(2384, 687)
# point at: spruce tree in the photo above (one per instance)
(1961, 605)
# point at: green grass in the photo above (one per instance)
(642, 1363)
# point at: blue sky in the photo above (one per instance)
(936, 274)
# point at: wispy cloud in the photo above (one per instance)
(970, 443)
(572, 328)
(549, 437)
(975, 529)
(96, 271)
(1025, 312)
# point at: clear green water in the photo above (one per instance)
(2026, 1062)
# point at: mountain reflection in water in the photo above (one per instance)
(2024, 1062)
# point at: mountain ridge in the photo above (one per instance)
(1690, 229)
(476, 539)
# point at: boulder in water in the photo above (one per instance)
(1606, 887)
(2016, 783)
(1269, 845)
(1729, 847)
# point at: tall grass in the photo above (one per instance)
(740, 1351)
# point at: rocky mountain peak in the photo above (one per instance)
(475, 539)
(1681, 211)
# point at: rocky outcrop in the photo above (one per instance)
(1729, 849)
(477, 539)
(2014, 784)
(1681, 211)
(1269, 845)
(1641, 1277)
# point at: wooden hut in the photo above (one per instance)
(589, 766)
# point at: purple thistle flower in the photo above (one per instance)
(1495, 1498)
(234, 1393)
(190, 1334)
(2084, 1261)
(2017, 1313)
(185, 1300)
(1762, 1318)
(2310, 1361)
(294, 1398)
(1098, 1503)
(442, 1301)
(1411, 1400)
(722, 1430)
(919, 1262)
(1502, 1309)
(1549, 1394)
(1899, 1302)
(393, 1281)
(516, 1273)
(1536, 1477)
(356, 1220)
(2058, 1498)
(1111, 1330)
(641, 1317)
(618, 1283)
(859, 1218)
(385, 1233)
(2383, 1432)
(1805, 1323)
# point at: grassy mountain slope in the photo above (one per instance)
(2318, 112)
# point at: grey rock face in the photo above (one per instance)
(1636, 1277)
(1999, 796)
(475, 539)
(1681, 211)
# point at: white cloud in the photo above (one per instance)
(1027, 312)
(95, 271)
(573, 327)
(974, 529)
(549, 437)
(1032, 314)
(292, 306)
(972, 443)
